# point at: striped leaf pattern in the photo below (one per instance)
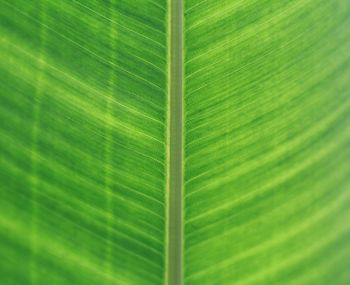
(86, 142)
(83, 140)
(267, 126)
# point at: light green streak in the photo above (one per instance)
(35, 135)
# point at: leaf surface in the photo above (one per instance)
(267, 122)
(93, 107)
(83, 140)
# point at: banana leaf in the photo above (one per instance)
(177, 142)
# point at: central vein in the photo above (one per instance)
(175, 174)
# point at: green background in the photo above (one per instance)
(84, 142)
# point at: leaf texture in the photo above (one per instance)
(83, 142)
(85, 146)
(267, 135)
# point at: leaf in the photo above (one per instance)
(83, 140)
(267, 163)
(174, 142)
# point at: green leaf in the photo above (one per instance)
(83, 142)
(267, 169)
(174, 142)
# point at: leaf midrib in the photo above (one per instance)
(174, 258)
